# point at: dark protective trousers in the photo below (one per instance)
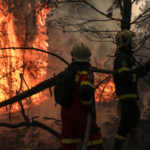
(130, 117)
(74, 121)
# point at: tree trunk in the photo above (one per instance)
(126, 16)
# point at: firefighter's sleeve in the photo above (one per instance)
(87, 91)
(124, 71)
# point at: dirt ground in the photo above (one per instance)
(34, 138)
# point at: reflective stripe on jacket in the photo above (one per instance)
(84, 83)
(125, 81)
(72, 141)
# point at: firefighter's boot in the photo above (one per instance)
(132, 140)
(118, 144)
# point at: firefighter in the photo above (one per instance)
(74, 117)
(126, 88)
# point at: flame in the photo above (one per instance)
(11, 60)
(106, 91)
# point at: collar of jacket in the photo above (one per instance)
(127, 51)
(79, 66)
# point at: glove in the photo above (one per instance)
(141, 72)
(147, 65)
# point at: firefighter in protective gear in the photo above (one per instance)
(126, 87)
(81, 53)
(74, 117)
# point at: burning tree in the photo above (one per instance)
(78, 20)
(20, 30)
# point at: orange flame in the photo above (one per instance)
(106, 91)
(11, 60)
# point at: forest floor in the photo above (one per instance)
(34, 138)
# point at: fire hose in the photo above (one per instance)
(43, 85)
(87, 132)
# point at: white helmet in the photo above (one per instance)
(124, 38)
(81, 53)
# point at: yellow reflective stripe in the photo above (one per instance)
(77, 77)
(123, 69)
(87, 102)
(69, 141)
(87, 83)
(134, 78)
(120, 137)
(89, 143)
(83, 72)
(134, 129)
(95, 142)
(127, 96)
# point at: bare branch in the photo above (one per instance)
(33, 123)
(141, 15)
(143, 19)
(142, 42)
(99, 11)
(133, 1)
(71, 1)
(43, 85)
(37, 50)
(107, 78)
(53, 119)
(121, 8)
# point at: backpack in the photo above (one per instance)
(63, 89)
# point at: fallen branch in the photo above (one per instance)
(56, 121)
(47, 84)
(43, 85)
(33, 123)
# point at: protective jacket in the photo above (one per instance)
(74, 117)
(125, 81)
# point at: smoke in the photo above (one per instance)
(62, 43)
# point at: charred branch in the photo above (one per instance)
(23, 113)
(33, 123)
(53, 54)
(106, 79)
(13, 70)
(43, 85)
(20, 102)
(56, 121)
